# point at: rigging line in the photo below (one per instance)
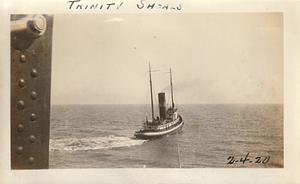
(178, 152)
(179, 162)
(145, 106)
(169, 98)
(151, 90)
(171, 86)
(155, 98)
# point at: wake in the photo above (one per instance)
(93, 143)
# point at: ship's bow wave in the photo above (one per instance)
(93, 143)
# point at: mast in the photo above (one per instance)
(171, 89)
(152, 108)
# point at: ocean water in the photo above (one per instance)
(101, 136)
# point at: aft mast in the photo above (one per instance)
(152, 108)
(171, 89)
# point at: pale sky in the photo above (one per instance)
(215, 57)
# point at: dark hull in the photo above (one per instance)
(158, 134)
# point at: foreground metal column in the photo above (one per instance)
(31, 44)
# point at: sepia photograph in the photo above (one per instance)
(189, 90)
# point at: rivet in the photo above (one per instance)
(31, 160)
(20, 128)
(34, 72)
(21, 104)
(32, 138)
(23, 58)
(19, 150)
(33, 95)
(33, 117)
(21, 82)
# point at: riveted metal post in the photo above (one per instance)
(31, 45)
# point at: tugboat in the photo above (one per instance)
(168, 122)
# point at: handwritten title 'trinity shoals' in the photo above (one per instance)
(116, 5)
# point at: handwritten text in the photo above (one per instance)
(110, 5)
(247, 159)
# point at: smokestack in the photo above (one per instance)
(162, 105)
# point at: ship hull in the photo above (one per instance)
(158, 134)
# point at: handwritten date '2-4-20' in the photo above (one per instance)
(247, 159)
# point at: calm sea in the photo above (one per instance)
(101, 136)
